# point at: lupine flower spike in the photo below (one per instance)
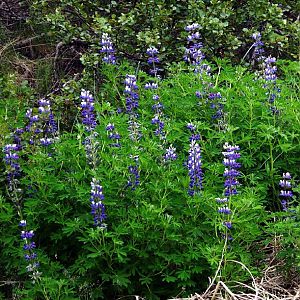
(157, 107)
(231, 173)
(113, 135)
(88, 110)
(107, 49)
(29, 249)
(97, 205)
(270, 78)
(286, 190)
(194, 165)
(132, 104)
(134, 173)
(170, 154)
(258, 47)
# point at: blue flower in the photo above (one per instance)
(286, 193)
(97, 205)
(30, 255)
(170, 154)
(230, 173)
(108, 49)
(194, 165)
(134, 173)
(88, 110)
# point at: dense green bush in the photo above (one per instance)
(159, 241)
(226, 26)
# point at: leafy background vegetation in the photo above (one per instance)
(159, 241)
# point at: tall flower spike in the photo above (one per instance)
(88, 110)
(170, 154)
(29, 249)
(153, 60)
(108, 49)
(113, 135)
(231, 165)
(270, 84)
(193, 53)
(194, 165)
(134, 173)
(11, 159)
(258, 47)
(97, 205)
(157, 107)
(132, 96)
(286, 190)
(230, 173)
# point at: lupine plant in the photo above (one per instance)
(160, 230)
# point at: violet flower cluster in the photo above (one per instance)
(89, 121)
(88, 110)
(132, 96)
(194, 135)
(270, 78)
(97, 205)
(215, 100)
(11, 159)
(134, 173)
(157, 107)
(29, 249)
(42, 125)
(286, 190)
(113, 135)
(91, 146)
(132, 104)
(107, 49)
(170, 154)
(193, 53)
(153, 60)
(231, 165)
(258, 53)
(231, 173)
(195, 56)
(194, 165)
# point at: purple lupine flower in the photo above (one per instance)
(157, 108)
(91, 146)
(230, 156)
(88, 110)
(134, 173)
(113, 135)
(11, 159)
(30, 255)
(270, 84)
(108, 49)
(151, 86)
(193, 53)
(224, 210)
(97, 205)
(153, 60)
(286, 193)
(131, 107)
(132, 95)
(170, 154)
(227, 224)
(192, 128)
(42, 126)
(222, 200)
(194, 165)
(258, 47)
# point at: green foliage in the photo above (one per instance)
(226, 26)
(159, 240)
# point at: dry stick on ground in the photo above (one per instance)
(219, 268)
